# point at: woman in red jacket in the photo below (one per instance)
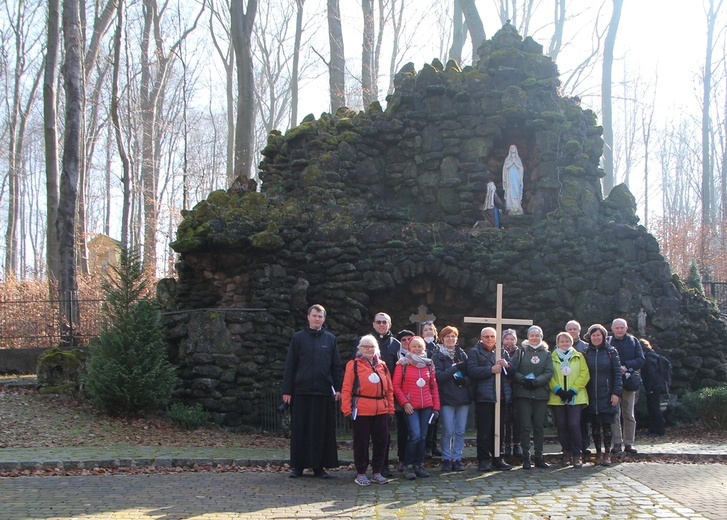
(367, 397)
(415, 388)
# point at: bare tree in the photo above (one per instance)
(242, 25)
(337, 60)
(26, 69)
(294, 74)
(50, 119)
(556, 41)
(72, 153)
(474, 25)
(647, 123)
(606, 86)
(459, 33)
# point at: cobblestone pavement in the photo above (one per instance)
(622, 491)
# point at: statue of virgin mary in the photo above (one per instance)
(512, 182)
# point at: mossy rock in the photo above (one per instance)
(61, 369)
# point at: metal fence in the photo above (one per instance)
(39, 323)
(274, 421)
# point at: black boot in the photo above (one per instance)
(500, 464)
(540, 463)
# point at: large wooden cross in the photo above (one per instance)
(498, 321)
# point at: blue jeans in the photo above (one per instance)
(417, 424)
(454, 421)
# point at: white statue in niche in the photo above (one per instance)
(512, 182)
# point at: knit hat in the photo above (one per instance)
(511, 332)
(537, 329)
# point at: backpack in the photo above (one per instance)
(664, 370)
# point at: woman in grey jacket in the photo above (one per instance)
(532, 370)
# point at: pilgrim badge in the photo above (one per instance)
(535, 360)
(565, 371)
(374, 378)
(421, 383)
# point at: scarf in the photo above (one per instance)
(449, 353)
(419, 361)
(565, 356)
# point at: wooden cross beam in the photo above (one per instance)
(498, 321)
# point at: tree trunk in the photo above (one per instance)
(50, 121)
(459, 33)
(556, 41)
(367, 8)
(337, 61)
(296, 65)
(242, 24)
(606, 106)
(116, 120)
(72, 151)
(474, 26)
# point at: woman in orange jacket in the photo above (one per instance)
(367, 398)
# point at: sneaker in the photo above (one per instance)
(446, 465)
(321, 473)
(540, 463)
(419, 471)
(587, 452)
(409, 473)
(457, 465)
(362, 480)
(577, 463)
(386, 472)
(379, 478)
(500, 464)
(630, 449)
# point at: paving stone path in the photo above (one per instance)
(622, 491)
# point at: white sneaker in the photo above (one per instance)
(379, 479)
(362, 480)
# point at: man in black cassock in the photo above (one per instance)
(312, 386)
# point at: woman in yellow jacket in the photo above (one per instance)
(568, 397)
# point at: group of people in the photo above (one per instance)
(589, 384)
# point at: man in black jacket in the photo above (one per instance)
(389, 347)
(311, 385)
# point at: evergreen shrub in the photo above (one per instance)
(188, 417)
(709, 405)
(128, 370)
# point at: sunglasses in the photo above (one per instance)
(381, 322)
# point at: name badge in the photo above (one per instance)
(421, 383)
(374, 378)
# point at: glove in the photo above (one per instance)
(570, 394)
(529, 383)
(562, 394)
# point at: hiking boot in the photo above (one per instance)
(446, 465)
(419, 471)
(484, 466)
(457, 465)
(379, 478)
(409, 473)
(540, 463)
(362, 480)
(500, 464)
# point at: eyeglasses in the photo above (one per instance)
(381, 322)
(368, 346)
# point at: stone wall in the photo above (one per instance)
(377, 210)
